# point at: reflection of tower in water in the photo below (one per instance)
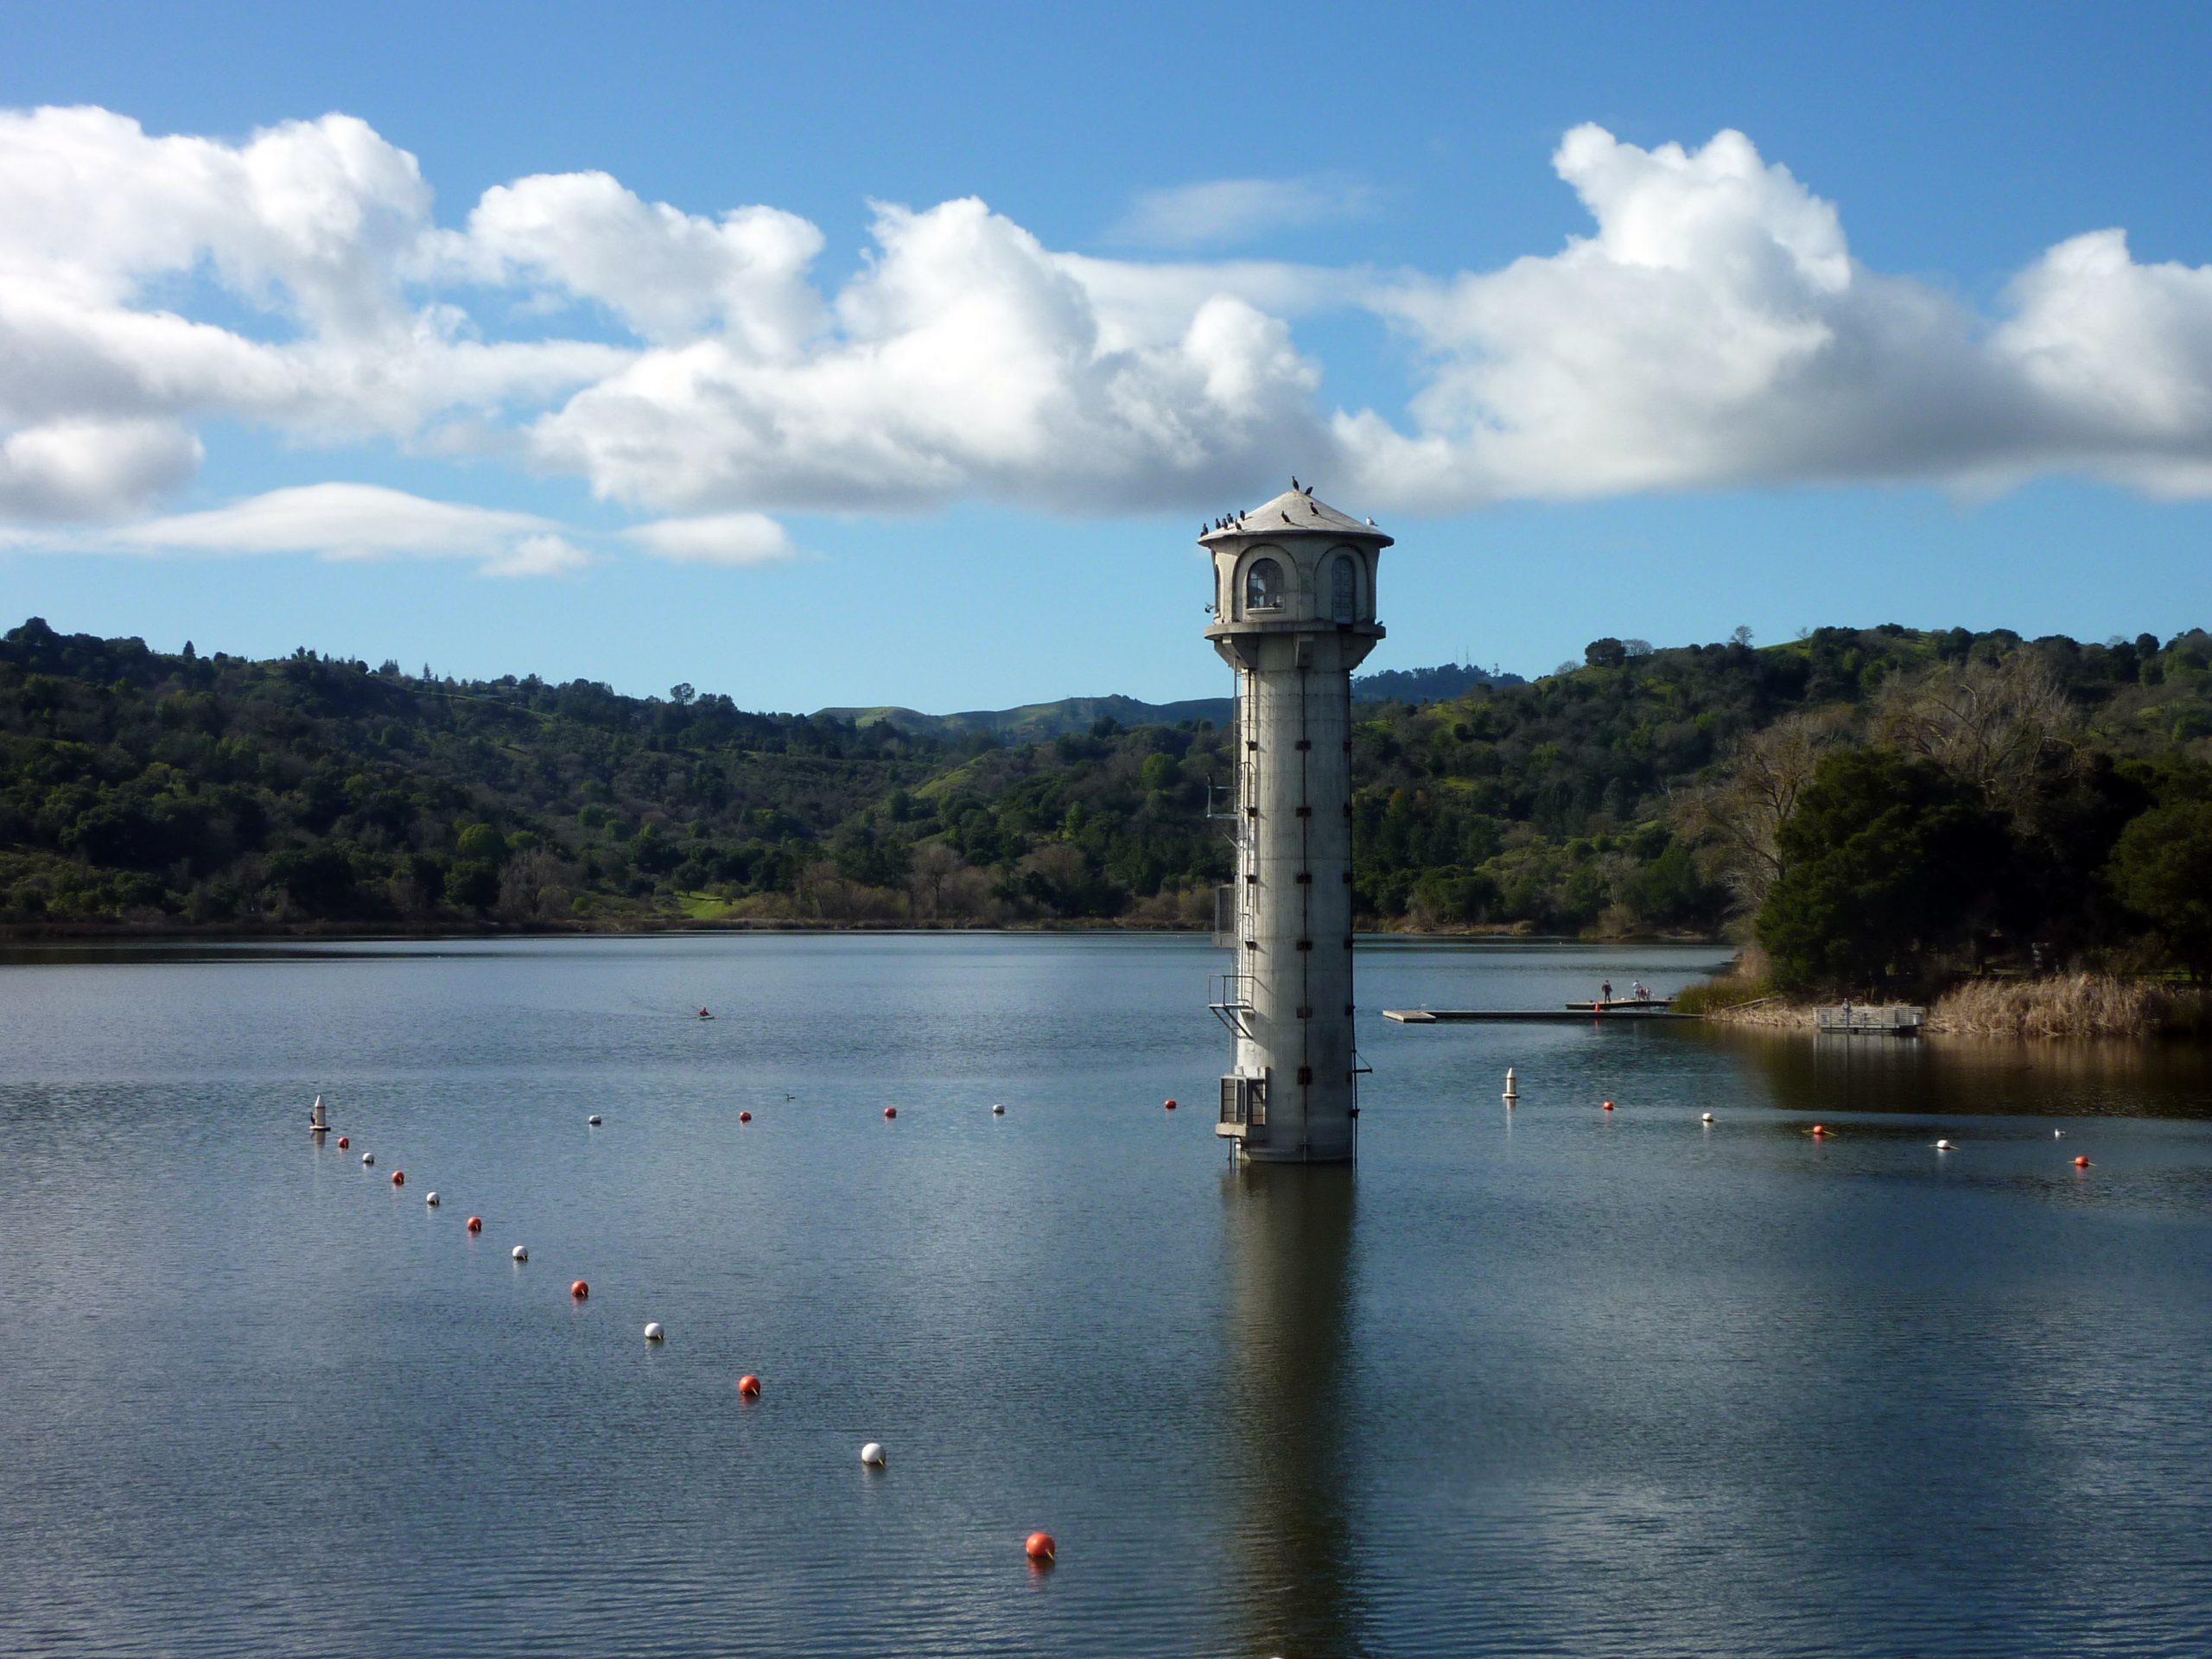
(1289, 1233)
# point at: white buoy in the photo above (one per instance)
(430, 1198)
(2058, 1134)
(1705, 1117)
(521, 1254)
(872, 1454)
(998, 1111)
(368, 1157)
(593, 1120)
(653, 1332)
(1945, 1146)
(1512, 1091)
(317, 1120)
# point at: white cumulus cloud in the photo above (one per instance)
(536, 556)
(964, 361)
(715, 538)
(361, 521)
(92, 468)
(1715, 330)
(668, 274)
(1712, 329)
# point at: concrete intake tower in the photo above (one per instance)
(1294, 613)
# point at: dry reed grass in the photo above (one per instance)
(1766, 1011)
(2069, 1005)
(2061, 1005)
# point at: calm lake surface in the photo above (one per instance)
(1561, 1381)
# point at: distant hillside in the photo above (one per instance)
(148, 789)
(1419, 685)
(1038, 721)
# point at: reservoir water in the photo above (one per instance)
(1556, 1382)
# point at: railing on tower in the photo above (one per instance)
(1229, 996)
(1228, 920)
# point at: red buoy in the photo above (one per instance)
(343, 1141)
(749, 1386)
(1820, 1128)
(476, 1223)
(579, 1290)
(745, 1117)
(890, 1111)
(2080, 1163)
(1039, 1547)
(1608, 1105)
(399, 1178)
(1171, 1105)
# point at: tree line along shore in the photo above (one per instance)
(1883, 811)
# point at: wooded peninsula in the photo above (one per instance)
(1879, 810)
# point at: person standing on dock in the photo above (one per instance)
(1606, 993)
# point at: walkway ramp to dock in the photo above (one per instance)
(1440, 1016)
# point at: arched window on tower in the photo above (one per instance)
(1344, 590)
(1263, 585)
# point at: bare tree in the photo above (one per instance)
(537, 887)
(1734, 821)
(934, 864)
(2000, 726)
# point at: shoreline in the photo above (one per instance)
(20, 933)
(2055, 1007)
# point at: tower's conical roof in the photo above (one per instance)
(1292, 511)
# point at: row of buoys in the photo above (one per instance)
(1039, 1547)
(1819, 1131)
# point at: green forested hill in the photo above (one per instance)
(137, 787)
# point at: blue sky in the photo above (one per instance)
(774, 407)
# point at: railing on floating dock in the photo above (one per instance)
(1891, 1020)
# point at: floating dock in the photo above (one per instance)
(1441, 1016)
(1891, 1020)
